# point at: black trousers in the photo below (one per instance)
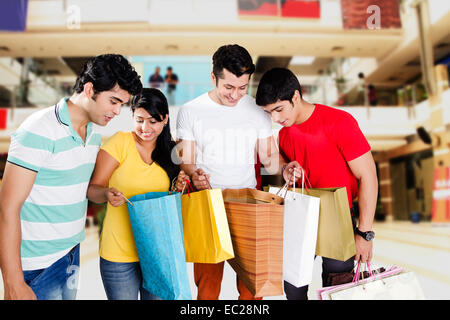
(328, 266)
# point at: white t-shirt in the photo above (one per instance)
(226, 138)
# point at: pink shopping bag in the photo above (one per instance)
(325, 292)
(393, 284)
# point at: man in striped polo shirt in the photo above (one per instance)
(43, 197)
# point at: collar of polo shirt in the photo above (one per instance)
(63, 117)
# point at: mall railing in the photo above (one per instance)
(31, 95)
(326, 91)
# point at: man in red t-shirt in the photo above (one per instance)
(333, 152)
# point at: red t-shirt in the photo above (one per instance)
(323, 145)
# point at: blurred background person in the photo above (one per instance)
(155, 80)
(172, 81)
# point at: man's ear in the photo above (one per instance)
(296, 98)
(213, 78)
(89, 90)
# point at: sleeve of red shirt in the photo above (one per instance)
(350, 140)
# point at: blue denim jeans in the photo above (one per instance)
(58, 281)
(123, 281)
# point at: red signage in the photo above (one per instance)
(282, 8)
(3, 118)
(441, 196)
(300, 9)
(370, 14)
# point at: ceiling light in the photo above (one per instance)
(302, 60)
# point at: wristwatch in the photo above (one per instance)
(368, 235)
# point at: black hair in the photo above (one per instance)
(234, 58)
(155, 103)
(277, 84)
(107, 70)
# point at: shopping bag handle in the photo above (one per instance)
(126, 199)
(209, 185)
(264, 196)
(304, 186)
(279, 190)
(304, 179)
(356, 276)
(189, 186)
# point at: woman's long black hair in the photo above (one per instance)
(155, 103)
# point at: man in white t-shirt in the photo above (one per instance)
(221, 133)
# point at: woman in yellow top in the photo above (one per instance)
(131, 163)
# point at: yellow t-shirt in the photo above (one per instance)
(132, 177)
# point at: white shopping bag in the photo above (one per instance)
(402, 286)
(301, 220)
(393, 284)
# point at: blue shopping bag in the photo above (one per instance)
(158, 233)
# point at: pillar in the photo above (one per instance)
(384, 182)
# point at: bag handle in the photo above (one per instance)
(209, 185)
(356, 276)
(303, 183)
(304, 186)
(126, 199)
(293, 185)
(285, 188)
(305, 176)
(264, 196)
(188, 184)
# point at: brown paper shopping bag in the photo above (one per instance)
(255, 220)
(335, 237)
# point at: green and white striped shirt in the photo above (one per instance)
(53, 216)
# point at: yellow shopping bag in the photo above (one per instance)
(205, 226)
